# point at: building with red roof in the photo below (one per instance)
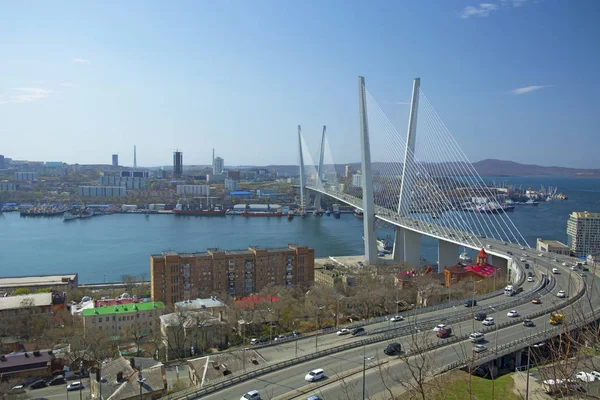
(479, 271)
(249, 302)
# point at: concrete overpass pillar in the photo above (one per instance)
(518, 357)
(317, 200)
(447, 254)
(412, 247)
(398, 252)
(503, 264)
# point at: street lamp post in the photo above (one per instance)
(528, 364)
(364, 378)
(141, 382)
(317, 330)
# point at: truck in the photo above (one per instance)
(556, 318)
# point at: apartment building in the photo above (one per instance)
(583, 232)
(552, 246)
(122, 320)
(177, 277)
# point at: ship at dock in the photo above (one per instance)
(199, 212)
(262, 214)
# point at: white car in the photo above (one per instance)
(251, 395)
(279, 337)
(522, 248)
(476, 337)
(512, 313)
(530, 279)
(478, 348)
(75, 386)
(488, 321)
(314, 375)
(585, 376)
(523, 259)
(541, 255)
(561, 293)
(555, 260)
(555, 270)
(397, 318)
(439, 327)
(573, 268)
(565, 264)
(596, 374)
(343, 331)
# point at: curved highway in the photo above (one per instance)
(286, 381)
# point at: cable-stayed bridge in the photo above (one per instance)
(422, 183)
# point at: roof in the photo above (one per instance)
(456, 269)
(115, 302)
(128, 388)
(482, 253)
(553, 243)
(23, 361)
(200, 303)
(37, 280)
(585, 214)
(189, 319)
(486, 270)
(123, 309)
(14, 302)
(251, 301)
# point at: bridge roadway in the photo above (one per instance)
(289, 379)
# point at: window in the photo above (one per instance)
(113, 318)
(100, 319)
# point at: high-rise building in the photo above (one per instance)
(177, 163)
(2, 166)
(180, 276)
(134, 157)
(115, 160)
(218, 166)
(583, 233)
(348, 171)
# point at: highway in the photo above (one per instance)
(291, 378)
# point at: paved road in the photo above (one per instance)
(288, 379)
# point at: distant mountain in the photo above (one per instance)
(489, 167)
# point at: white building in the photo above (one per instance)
(357, 180)
(583, 232)
(193, 190)
(218, 166)
(231, 184)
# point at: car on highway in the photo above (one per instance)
(279, 337)
(359, 332)
(536, 300)
(478, 348)
(488, 321)
(573, 268)
(512, 313)
(541, 255)
(555, 270)
(444, 332)
(476, 337)
(392, 349)
(77, 385)
(438, 327)
(470, 303)
(530, 279)
(251, 395)
(480, 316)
(41, 383)
(585, 376)
(562, 294)
(565, 264)
(314, 398)
(522, 248)
(397, 318)
(530, 273)
(529, 323)
(315, 375)
(523, 259)
(343, 331)
(526, 265)
(254, 341)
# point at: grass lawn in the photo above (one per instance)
(455, 386)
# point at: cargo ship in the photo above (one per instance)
(201, 213)
(358, 213)
(262, 214)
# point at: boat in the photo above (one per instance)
(318, 212)
(290, 215)
(529, 202)
(337, 214)
(465, 257)
(202, 213)
(68, 216)
(358, 213)
(86, 214)
(328, 213)
(262, 214)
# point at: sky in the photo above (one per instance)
(511, 79)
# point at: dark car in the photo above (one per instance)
(509, 252)
(526, 265)
(393, 349)
(57, 380)
(529, 274)
(470, 302)
(528, 323)
(38, 384)
(480, 316)
(358, 331)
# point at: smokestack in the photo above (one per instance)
(134, 158)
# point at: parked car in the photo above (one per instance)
(279, 337)
(444, 333)
(528, 323)
(314, 375)
(38, 384)
(77, 385)
(57, 380)
(480, 316)
(359, 331)
(393, 349)
(251, 395)
(585, 376)
(478, 348)
(488, 321)
(397, 318)
(596, 374)
(470, 303)
(343, 331)
(254, 341)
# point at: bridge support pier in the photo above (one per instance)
(447, 254)
(317, 201)
(518, 357)
(407, 247)
(502, 263)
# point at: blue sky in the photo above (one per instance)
(83, 80)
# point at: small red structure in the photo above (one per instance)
(477, 272)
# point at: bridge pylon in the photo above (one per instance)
(407, 244)
(320, 170)
(367, 179)
(302, 173)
